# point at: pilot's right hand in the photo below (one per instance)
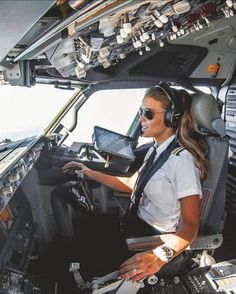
(77, 167)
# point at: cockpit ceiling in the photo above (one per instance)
(94, 36)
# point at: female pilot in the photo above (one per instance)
(170, 201)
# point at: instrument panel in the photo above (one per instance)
(16, 160)
(18, 229)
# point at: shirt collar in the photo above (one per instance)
(163, 145)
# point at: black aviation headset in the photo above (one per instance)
(172, 115)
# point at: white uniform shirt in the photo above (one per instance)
(177, 178)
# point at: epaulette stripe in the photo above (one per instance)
(177, 150)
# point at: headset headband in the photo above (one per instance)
(168, 92)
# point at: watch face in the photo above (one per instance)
(168, 251)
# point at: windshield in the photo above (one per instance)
(25, 112)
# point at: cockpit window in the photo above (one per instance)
(110, 109)
(25, 112)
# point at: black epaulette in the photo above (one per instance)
(177, 150)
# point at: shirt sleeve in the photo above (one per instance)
(186, 176)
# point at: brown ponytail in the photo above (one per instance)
(187, 133)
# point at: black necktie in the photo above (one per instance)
(148, 163)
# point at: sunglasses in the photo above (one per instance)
(147, 112)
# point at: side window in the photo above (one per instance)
(110, 109)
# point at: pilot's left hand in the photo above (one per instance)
(140, 266)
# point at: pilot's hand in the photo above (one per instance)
(77, 167)
(140, 266)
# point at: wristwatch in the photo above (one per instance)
(164, 253)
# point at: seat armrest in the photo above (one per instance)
(147, 243)
(208, 242)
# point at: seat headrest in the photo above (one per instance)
(207, 115)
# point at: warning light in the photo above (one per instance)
(213, 68)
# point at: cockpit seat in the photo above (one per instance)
(208, 118)
(207, 115)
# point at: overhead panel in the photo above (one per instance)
(25, 14)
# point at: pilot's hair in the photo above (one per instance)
(186, 130)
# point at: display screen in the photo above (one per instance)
(7, 218)
(113, 143)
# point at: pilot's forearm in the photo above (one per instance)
(187, 229)
(107, 180)
(188, 226)
(183, 237)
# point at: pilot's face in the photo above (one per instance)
(152, 120)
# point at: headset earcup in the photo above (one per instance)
(170, 118)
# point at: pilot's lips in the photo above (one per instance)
(144, 128)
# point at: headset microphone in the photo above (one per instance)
(140, 129)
